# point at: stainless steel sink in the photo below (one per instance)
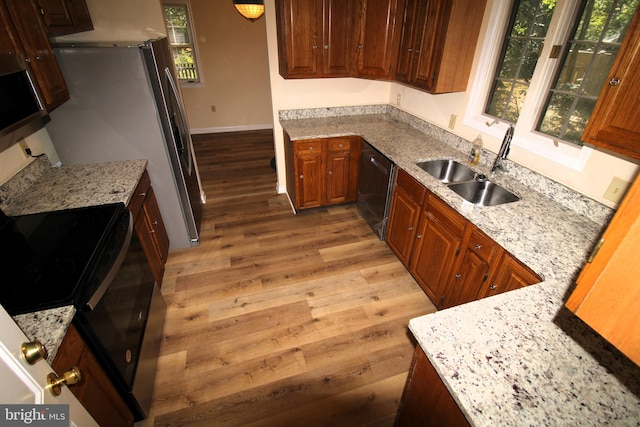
(447, 170)
(484, 193)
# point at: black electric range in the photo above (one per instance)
(48, 259)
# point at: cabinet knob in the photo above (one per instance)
(458, 276)
(614, 81)
(419, 236)
(326, 46)
(410, 228)
(143, 194)
(28, 60)
(37, 58)
(314, 47)
(492, 287)
(301, 176)
(360, 46)
(340, 145)
(33, 351)
(330, 173)
(477, 247)
(409, 50)
(72, 376)
(310, 148)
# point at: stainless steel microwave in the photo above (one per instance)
(22, 111)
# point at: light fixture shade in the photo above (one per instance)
(250, 9)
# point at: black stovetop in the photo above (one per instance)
(45, 258)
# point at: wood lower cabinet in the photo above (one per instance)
(425, 400)
(95, 391)
(615, 121)
(438, 244)
(607, 294)
(150, 226)
(406, 205)
(451, 259)
(65, 16)
(27, 35)
(322, 171)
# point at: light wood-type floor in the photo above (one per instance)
(279, 319)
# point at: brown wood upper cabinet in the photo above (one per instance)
(23, 32)
(607, 294)
(438, 42)
(315, 38)
(322, 171)
(451, 259)
(615, 121)
(65, 16)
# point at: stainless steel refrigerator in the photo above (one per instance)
(126, 104)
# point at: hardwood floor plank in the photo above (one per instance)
(280, 319)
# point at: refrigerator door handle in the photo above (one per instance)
(184, 145)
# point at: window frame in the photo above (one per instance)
(192, 30)
(526, 137)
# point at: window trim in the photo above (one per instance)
(526, 137)
(194, 38)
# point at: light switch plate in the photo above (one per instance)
(616, 190)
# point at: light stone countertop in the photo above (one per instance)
(42, 188)
(518, 358)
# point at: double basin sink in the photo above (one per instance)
(468, 184)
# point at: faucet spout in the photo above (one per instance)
(503, 152)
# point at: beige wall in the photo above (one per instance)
(286, 94)
(235, 68)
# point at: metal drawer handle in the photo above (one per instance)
(614, 81)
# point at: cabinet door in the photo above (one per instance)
(378, 38)
(406, 46)
(615, 120)
(432, 15)
(607, 294)
(434, 256)
(337, 39)
(403, 222)
(338, 167)
(65, 16)
(297, 22)
(310, 176)
(9, 41)
(425, 400)
(511, 274)
(467, 280)
(153, 235)
(42, 62)
(95, 391)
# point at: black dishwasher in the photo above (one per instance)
(375, 185)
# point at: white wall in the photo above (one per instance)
(287, 94)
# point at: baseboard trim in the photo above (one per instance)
(221, 129)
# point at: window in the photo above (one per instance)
(181, 39)
(550, 62)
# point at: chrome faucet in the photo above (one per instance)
(504, 151)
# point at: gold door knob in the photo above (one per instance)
(72, 376)
(33, 351)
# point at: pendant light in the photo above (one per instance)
(250, 9)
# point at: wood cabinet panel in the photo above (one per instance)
(378, 38)
(607, 294)
(95, 390)
(65, 16)
(511, 274)
(615, 121)
(149, 226)
(34, 44)
(403, 224)
(425, 400)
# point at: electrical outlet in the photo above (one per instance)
(616, 190)
(452, 121)
(398, 99)
(24, 147)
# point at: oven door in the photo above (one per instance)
(117, 326)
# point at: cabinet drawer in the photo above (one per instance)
(453, 220)
(308, 146)
(339, 144)
(413, 188)
(483, 246)
(139, 194)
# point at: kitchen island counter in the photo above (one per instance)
(42, 188)
(519, 358)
